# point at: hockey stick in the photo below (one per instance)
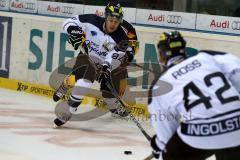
(151, 156)
(123, 104)
(148, 69)
(132, 117)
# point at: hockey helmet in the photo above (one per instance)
(114, 9)
(171, 44)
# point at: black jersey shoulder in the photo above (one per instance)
(92, 19)
(212, 53)
(124, 32)
(119, 35)
(130, 29)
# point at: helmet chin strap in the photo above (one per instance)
(105, 28)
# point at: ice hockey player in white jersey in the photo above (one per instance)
(200, 116)
(109, 44)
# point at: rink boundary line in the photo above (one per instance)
(23, 86)
(139, 110)
(31, 88)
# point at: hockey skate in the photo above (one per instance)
(61, 91)
(58, 122)
(62, 119)
(119, 113)
(63, 114)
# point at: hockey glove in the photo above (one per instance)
(130, 56)
(105, 74)
(156, 150)
(76, 36)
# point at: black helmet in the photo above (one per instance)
(114, 9)
(171, 44)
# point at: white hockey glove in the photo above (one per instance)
(156, 151)
(76, 36)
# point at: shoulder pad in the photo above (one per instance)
(213, 53)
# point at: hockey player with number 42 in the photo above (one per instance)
(108, 45)
(200, 116)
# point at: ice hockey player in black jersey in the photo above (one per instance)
(109, 44)
(200, 117)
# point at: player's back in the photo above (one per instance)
(199, 85)
(203, 96)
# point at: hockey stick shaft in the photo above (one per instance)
(148, 69)
(151, 156)
(132, 117)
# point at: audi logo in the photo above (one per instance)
(174, 19)
(3, 3)
(30, 6)
(236, 25)
(67, 10)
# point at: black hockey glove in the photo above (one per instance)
(130, 56)
(76, 36)
(156, 150)
(105, 74)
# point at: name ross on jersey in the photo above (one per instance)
(186, 69)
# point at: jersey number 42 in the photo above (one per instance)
(206, 99)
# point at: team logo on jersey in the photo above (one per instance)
(94, 33)
(109, 46)
(131, 35)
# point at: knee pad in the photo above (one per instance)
(69, 81)
(84, 83)
(82, 88)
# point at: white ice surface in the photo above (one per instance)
(26, 133)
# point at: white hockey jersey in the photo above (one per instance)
(98, 42)
(204, 104)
